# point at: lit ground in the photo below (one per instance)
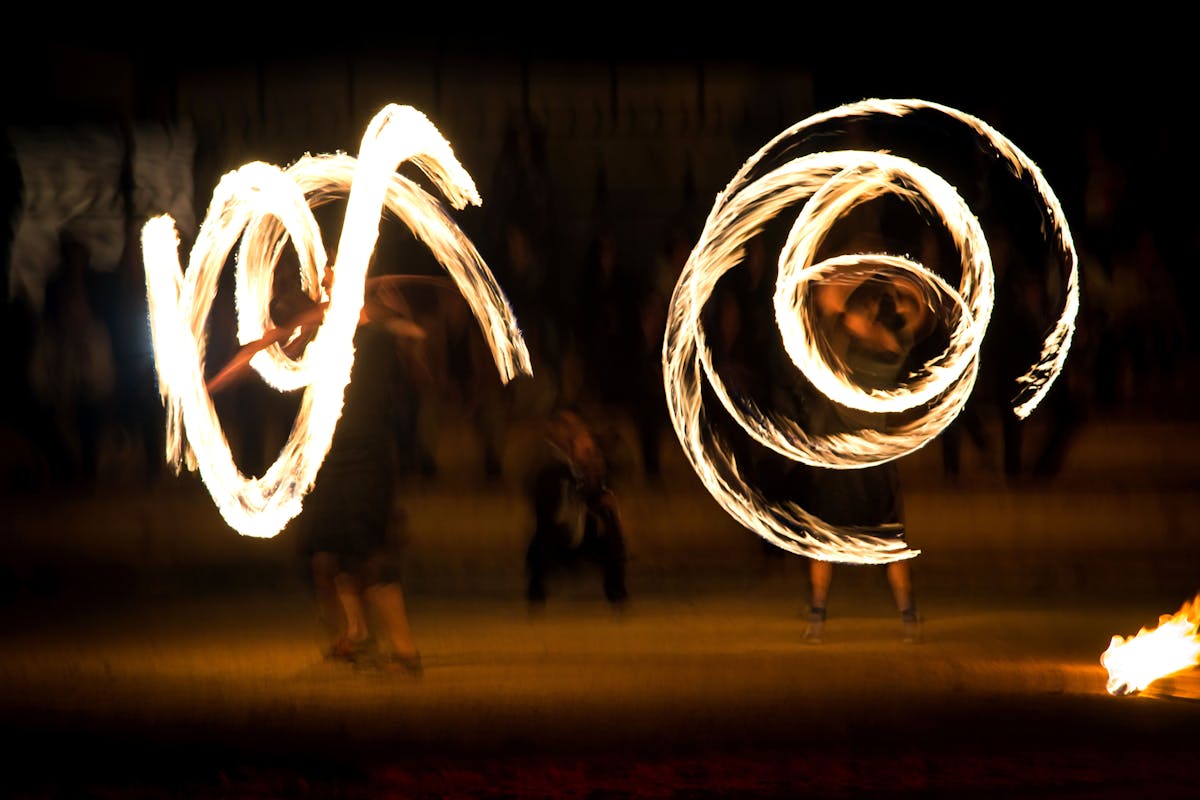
(151, 652)
(227, 694)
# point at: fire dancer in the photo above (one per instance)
(875, 326)
(351, 512)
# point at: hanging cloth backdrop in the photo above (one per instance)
(71, 179)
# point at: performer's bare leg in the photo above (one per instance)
(387, 601)
(329, 605)
(900, 577)
(820, 575)
(349, 592)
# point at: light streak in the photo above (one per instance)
(787, 171)
(264, 207)
(1135, 662)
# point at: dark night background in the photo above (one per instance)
(140, 623)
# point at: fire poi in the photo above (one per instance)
(263, 207)
(791, 170)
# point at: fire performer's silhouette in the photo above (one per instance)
(350, 516)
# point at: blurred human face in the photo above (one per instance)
(886, 316)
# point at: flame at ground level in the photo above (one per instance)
(1135, 662)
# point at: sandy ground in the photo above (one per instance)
(150, 652)
(686, 695)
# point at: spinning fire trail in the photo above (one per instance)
(830, 184)
(264, 206)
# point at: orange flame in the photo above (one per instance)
(1135, 662)
(263, 207)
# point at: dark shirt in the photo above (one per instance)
(369, 424)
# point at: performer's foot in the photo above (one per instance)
(815, 633)
(911, 622)
(405, 664)
(350, 651)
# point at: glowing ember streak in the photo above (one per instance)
(264, 207)
(1135, 662)
(830, 184)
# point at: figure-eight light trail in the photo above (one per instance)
(264, 207)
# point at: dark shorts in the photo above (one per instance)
(351, 508)
(866, 498)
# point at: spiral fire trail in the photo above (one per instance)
(784, 172)
(264, 206)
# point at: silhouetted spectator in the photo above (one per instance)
(72, 370)
(576, 517)
(649, 409)
(608, 334)
(1146, 331)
